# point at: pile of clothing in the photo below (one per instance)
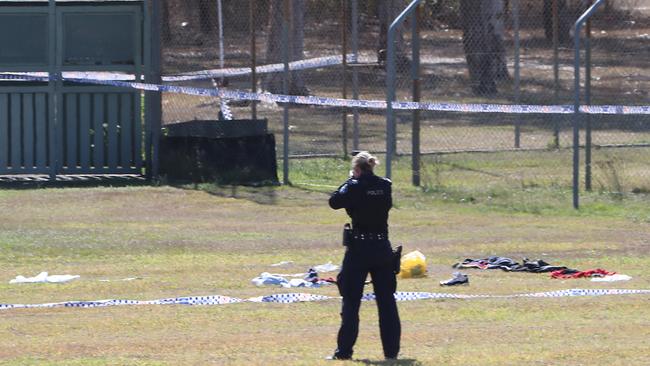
(536, 266)
(572, 273)
(309, 279)
(509, 265)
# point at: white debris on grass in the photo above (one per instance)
(266, 278)
(43, 277)
(123, 279)
(270, 279)
(280, 264)
(327, 267)
(612, 278)
(289, 274)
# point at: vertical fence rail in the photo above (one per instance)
(576, 107)
(556, 71)
(221, 54)
(355, 72)
(153, 99)
(588, 102)
(344, 56)
(517, 86)
(251, 25)
(52, 76)
(391, 138)
(286, 19)
(415, 75)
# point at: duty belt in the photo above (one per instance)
(370, 236)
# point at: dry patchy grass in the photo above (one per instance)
(190, 242)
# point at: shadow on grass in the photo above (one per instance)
(399, 362)
(263, 195)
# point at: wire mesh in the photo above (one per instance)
(468, 55)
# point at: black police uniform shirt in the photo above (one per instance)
(367, 200)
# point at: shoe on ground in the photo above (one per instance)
(311, 275)
(457, 279)
(338, 357)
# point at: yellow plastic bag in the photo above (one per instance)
(414, 265)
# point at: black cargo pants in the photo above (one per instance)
(361, 258)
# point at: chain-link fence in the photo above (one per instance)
(487, 51)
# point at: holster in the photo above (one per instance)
(397, 259)
(347, 235)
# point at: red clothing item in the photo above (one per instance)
(588, 273)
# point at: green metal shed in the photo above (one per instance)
(60, 128)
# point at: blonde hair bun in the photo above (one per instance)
(365, 161)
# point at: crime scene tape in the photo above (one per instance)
(304, 297)
(312, 63)
(235, 95)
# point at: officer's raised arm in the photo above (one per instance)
(341, 197)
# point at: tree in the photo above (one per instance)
(387, 11)
(482, 24)
(274, 46)
(166, 31)
(207, 15)
(564, 21)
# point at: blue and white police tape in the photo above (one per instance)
(225, 110)
(312, 63)
(239, 95)
(410, 296)
(304, 297)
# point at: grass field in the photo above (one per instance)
(204, 240)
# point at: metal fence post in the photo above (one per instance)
(415, 72)
(221, 55)
(251, 24)
(515, 20)
(285, 89)
(556, 71)
(344, 41)
(52, 80)
(215, 84)
(355, 72)
(390, 85)
(588, 102)
(576, 107)
(153, 99)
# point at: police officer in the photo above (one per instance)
(367, 200)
